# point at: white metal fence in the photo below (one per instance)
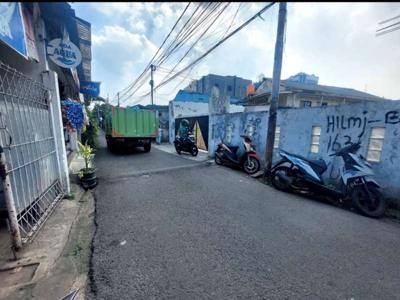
(26, 137)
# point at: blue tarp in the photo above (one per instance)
(185, 96)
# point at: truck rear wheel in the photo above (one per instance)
(147, 147)
(110, 146)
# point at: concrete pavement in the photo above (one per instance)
(60, 254)
(214, 233)
(133, 162)
(169, 148)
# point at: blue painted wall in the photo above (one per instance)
(229, 127)
(339, 124)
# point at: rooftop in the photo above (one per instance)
(293, 86)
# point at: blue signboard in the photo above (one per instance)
(90, 88)
(11, 26)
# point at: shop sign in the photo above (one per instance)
(64, 53)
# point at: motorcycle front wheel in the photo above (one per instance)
(178, 150)
(194, 151)
(251, 165)
(369, 204)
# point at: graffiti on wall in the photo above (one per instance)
(218, 103)
(223, 130)
(344, 130)
(392, 117)
(229, 129)
(252, 129)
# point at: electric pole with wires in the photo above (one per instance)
(152, 69)
(276, 78)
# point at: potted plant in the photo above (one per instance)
(87, 175)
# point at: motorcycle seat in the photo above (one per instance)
(234, 149)
(319, 165)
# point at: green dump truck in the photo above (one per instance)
(128, 127)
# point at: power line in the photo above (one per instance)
(383, 22)
(164, 54)
(167, 71)
(190, 32)
(203, 33)
(387, 31)
(158, 50)
(192, 64)
(388, 26)
(217, 44)
(216, 32)
(185, 28)
(233, 19)
(186, 34)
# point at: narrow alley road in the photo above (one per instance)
(208, 232)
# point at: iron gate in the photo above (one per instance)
(26, 136)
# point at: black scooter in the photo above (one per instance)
(297, 173)
(188, 145)
(249, 161)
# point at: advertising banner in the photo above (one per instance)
(12, 30)
(90, 88)
(64, 53)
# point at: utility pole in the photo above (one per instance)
(276, 78)
(118, 98)
(152, 69)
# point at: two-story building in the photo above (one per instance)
(302, 90)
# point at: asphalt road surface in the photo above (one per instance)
(208, 232)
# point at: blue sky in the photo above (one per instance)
(335, 41)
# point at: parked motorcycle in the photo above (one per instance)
(249, 160)
(187, 145)
(296, 173)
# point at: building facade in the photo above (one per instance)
(33, 84)
(302, 90)
(232, 86)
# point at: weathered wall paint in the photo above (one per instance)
(340, 125)
(181, 109)
(229, 127)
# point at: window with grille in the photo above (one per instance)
(306, 103)
(315, 137)
(376, 144)
(277, 135)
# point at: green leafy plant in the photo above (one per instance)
(87, 153)
(91, 132)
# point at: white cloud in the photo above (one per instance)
(119, 54)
